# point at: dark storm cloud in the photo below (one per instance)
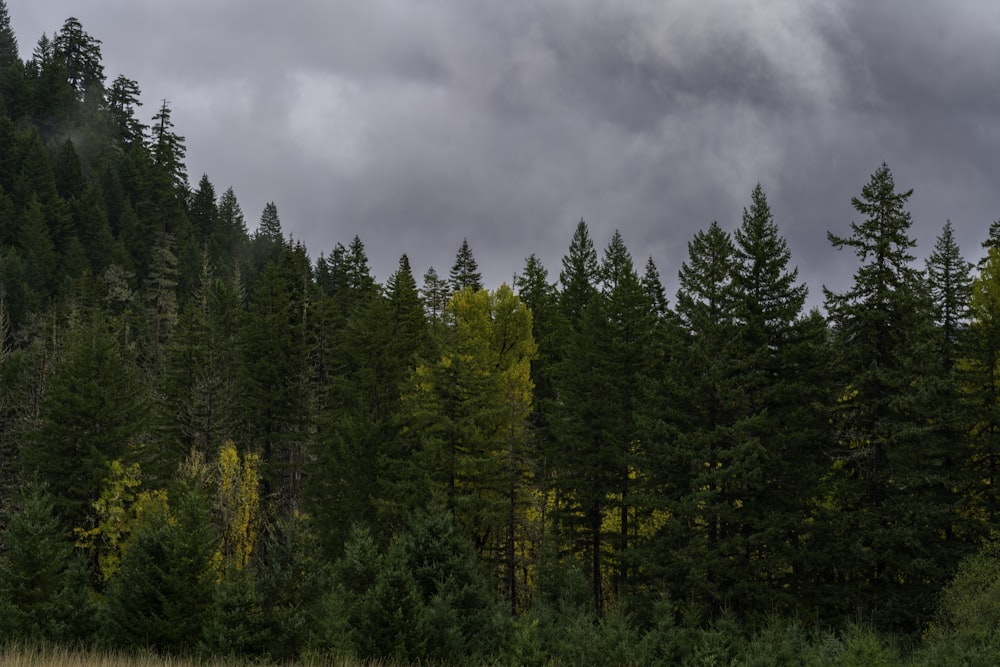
(416, 124)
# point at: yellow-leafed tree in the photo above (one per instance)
(237, 503)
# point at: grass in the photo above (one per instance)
(22, 656)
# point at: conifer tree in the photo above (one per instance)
(779, 366)
(434, 294)
(880, 471)
(273, 374)
(979, 370)
(9, 54)
(92, 409)
(123, 101)
(548, 328)
(950, 281)
(368, 352)
(623, 343)
(163, 594)
(80, 55)
(294, 589)
(585, 474)
(36, 573)
(268, 240)
(708, 463)
(465, 270)
(203, 211)
(168, 151)
(228, 240)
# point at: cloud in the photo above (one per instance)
(417, 124)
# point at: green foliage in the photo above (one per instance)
(465, 271)
(295, 592)
(163, 594)
(42, 595)
(92, 409)
(611, 479)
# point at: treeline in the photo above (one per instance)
(210, 442)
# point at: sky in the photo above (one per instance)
(417, 123)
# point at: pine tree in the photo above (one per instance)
(228, 240)
(196, 387)
(9, 54)
(92, 409)
(203, 212)
(273, 373)
(708, 464)
(80, 55)
(123, 100)
(294, 589)
(168, 150)
(978, 374)
(585, 473)
(882, 490)
(435, 295)
(465, 270)
(950, 281)
(163, 594)
(623, 343)
(268, 240)
(36, 573)
(779, 366)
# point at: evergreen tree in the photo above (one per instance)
(36, 575)
(708, 464)
(367, 347)
(92, 409)
(978, 374)
(9, 54)
(227, 244)
(435, 295)
(197, 391)
(623, 344)
(168, 151)
(203, 212)
(653, 289)
(53, 98)
(295, 592)
(163, 594)
(39, 253)
(267, 241)
(579, 275)
(123, 101)
(779, 367)
(548, 329)
(273, 375)
(465, 270)
(950, 281)
(886, 504)
(68, 172)
(458, 609)
(80, 55)
(583, 480)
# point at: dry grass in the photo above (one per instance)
(19, 656)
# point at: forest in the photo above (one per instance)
(212, 444)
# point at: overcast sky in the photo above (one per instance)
(416, 123)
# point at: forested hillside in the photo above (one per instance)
(212, 442)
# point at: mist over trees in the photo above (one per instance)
(211, 442)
